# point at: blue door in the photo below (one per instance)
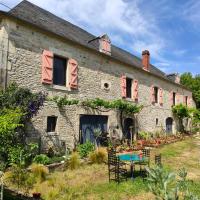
(90, 122)
(169, 125)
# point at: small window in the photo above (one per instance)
(59, 70)
(51, 123)
(156, 94)
(156, 121)
(174, 98)
(128, 88)
(186, 100)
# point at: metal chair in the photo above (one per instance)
(116, 169)
(144, 164)
(158, 160)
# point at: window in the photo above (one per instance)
(174, 98)
(59, 70)
(156, 94)
(186, 100)
(128, 88)
(156, 121)
(51, 123)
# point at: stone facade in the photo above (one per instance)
(21, 50)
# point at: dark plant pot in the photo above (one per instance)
(37, 195)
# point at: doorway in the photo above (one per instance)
(129, 128)
(169, 125)
(88, 123)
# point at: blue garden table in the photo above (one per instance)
(132, 158)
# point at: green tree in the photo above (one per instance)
(193, 83)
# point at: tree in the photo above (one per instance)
(17, 106)
(192, 83)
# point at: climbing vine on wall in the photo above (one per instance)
(97, 103)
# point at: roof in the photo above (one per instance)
(47, 21)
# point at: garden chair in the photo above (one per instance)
(158, 160)
(116, 169)
(146, 163)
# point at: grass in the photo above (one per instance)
(90, 182)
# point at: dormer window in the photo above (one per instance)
(105, 44)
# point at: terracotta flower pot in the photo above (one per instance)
(37, 195)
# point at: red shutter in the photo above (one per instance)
(47, 67)
(106, 46)
(135, 90)
(184, 100)
(189, 101)
(123, 86)
(178, 98)
(73, 73)
(171, 98)
(153, 100)
(161, 96)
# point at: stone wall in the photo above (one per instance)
(25, 49)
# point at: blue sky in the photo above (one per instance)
(169, 29)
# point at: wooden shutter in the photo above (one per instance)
(153, 98)
(123, 86)
(161, 96)
(47, 67)
(73, 73)
(184, 100)
(178, 98)
(135, 90)
(189, 101)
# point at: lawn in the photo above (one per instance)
(91, 181)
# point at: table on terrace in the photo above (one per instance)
(132, 158)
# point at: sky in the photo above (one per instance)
(169, 29)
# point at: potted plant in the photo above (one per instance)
(36, 195)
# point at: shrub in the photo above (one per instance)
(73, 162)
(56, 159)
(20, 177)
(98, 156)
(85, 149)
(39, 171)
(41, 159)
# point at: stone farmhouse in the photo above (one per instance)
(43, 52)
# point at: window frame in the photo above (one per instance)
(174, 98)
(66, 70)
(129, 88)
(50, 129)
(156, 94)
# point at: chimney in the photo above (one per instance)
(145, 60)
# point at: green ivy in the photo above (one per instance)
(63, 101)
(181, 111)
(98, 103)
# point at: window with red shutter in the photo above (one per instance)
(47, 67)
(59, 70)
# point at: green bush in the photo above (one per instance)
(85, 149)
(55, 159)
(41, 159)
(39, 171)
(73, 162)
(98, 156)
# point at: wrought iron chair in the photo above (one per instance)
(158, 160)
(116, 169)
(145, 163)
